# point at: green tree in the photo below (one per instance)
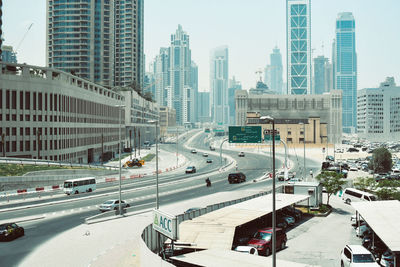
(386, 193)
(381, 160)
(148, 96)
(332, 182)
(365, 183)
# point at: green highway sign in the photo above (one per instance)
(244, 134)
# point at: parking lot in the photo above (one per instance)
(319, 240)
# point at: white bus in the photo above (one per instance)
(79, 185)
(352, 194)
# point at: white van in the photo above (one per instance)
(352, 194)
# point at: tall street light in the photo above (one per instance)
(269, 119)
(120, 107)
(156, 124)
(304, 150)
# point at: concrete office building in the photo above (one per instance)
(179, 91)
(319, 109)
(101, 41)
(346, 68)
(50, 114)
(378, 112)
(167, 119)
(298, 37)
(219, 75)
(274, 71)
(8, 54)
(322, 75)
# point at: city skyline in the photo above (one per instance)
(245, 57)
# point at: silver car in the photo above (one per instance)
(113, 205)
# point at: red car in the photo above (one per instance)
(262, 240)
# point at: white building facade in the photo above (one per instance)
(378, 112)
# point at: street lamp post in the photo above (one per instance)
(120, 107)
(304, 150)
(157, 200)
(177, 137)
(271, 120)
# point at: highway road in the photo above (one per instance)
(139, 193)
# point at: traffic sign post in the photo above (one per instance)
(268, 135)
(244, 134)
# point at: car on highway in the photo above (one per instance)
(353, 149)
(209, 160)
(205, 154)
(113, 204)
(241, 154)
(212, 148)
(236, 177)
(193, 151)
(247, 249)
(190, 169)
(356, 255)
(262, 240)
(10, 231)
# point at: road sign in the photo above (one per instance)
(268, 135)
(244, 134)
(165, 224)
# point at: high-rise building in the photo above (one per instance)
(298, 37)
(101, 41)
(378, 112)
(204, 108)
(129, 50)
(194, 84)
(161, 74)
(233, 86)
(8, 54)
(179, 90)
(322, 75)
(219, 85)
(273, 72)
(346, 69)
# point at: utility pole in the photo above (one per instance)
(102, 149)
(3, 141)
(134, 139)
(130, 143)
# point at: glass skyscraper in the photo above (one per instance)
(99, 40)
(273, 72)
(346, 69)
(298, 37)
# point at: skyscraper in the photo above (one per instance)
(346, 69)
(101, 40)
(8, 54)
(180, 95)
(233, 86)
(219, 85)
(129, 51)
(273, 72)
(161, 74)
(298, 37)
(194, 84)
(322, 75)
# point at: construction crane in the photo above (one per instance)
(26, 33)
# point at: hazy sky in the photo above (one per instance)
(249, 28)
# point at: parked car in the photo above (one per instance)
(209, 160)
(297, 214)
(113, 204)
(281, 176)
(387, 259)
(205, 155)
(10, 231)
(212, 148)
(236, 177)
(356, 255)
(353, 149)
(262, 240)
(330, 158)
(294, 180)
(247, 249)
(353, 168)
(362, 230)
(190, 169)
(193, 151)
(288, 219)
(241, 154)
